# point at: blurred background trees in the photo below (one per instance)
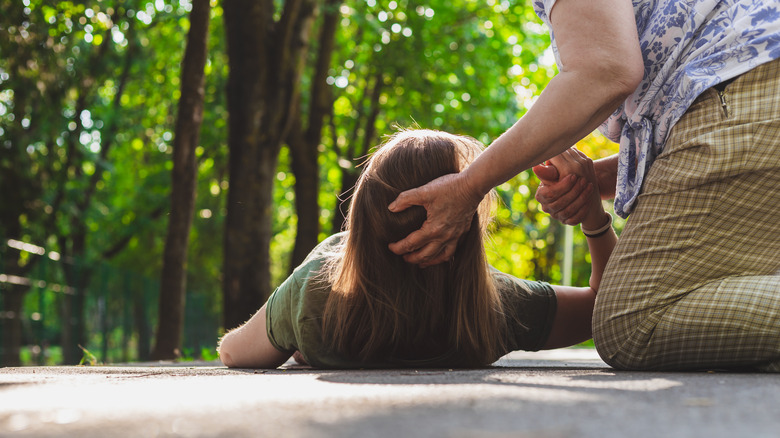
(295, 94)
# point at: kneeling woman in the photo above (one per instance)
(353, 303)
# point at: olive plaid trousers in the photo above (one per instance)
(694, 281)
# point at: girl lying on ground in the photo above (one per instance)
(354, 304)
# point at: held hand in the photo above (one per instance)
(450, 206)
(546, 173)
(564, 200)
(569, 198)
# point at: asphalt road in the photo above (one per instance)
(564, 393)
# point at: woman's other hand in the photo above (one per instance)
(450, 205)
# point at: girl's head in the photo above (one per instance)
(383, 308)
(407, 160)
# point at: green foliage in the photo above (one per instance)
(88, 358)
(35, 355)
(459, 66)
(205, 353)
(87, 105)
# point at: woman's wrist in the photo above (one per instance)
(474, 187)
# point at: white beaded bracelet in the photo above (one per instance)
(599, 232)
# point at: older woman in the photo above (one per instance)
(691, 91)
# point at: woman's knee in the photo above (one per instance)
(620, 331)
(608, 342)
(621, 352)
(613, 354)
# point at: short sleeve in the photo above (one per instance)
(294, 310)
(282, 312)
(529, 309)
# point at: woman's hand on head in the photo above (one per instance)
(450, 205)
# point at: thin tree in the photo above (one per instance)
(266, 57)
(304, 143)
(173, 280)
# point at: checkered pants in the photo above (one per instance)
(694, 281)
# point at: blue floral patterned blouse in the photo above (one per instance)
(688, 46)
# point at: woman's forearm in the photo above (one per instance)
(563, 114)
(599, 70)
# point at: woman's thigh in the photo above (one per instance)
(694, 279)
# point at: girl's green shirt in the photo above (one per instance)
(294, 315)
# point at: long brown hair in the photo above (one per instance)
(382, 308)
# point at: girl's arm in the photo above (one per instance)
(248, 346)
(572, 323)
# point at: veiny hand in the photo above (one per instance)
(566, 198)
(450, 206)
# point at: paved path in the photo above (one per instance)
(564, 393)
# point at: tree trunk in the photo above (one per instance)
(266, 60)
(11, 320)
(73, 335)
(19, 187)
(305, 148)
(173, 281)
(142, 325)
(12, 185)
(307, 182)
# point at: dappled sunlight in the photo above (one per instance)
(89, 97)
(609, 381)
